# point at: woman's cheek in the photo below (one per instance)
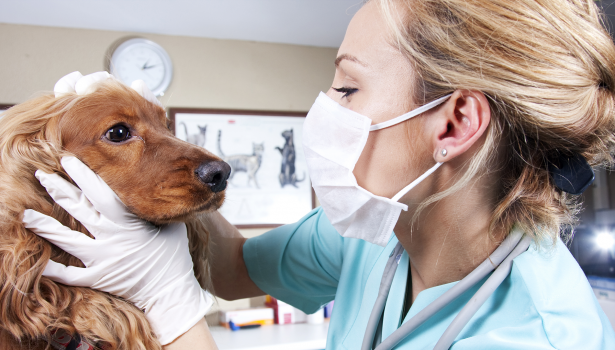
(376, 164)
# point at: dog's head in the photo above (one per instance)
(125, 139)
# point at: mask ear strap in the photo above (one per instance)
(410, 114)
(415, 182)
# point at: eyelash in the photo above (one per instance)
(346, 90)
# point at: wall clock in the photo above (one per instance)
(139, 58)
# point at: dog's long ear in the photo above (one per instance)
(30, 140)
(198, 238)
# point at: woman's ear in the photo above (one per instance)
(460, 122)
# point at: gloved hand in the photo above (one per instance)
(129, 257)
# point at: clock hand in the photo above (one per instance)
(148, 67)
(145, 65)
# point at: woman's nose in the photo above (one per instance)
(214, 175)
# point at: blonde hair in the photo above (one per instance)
(547, 68)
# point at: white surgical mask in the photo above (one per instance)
(333, 139)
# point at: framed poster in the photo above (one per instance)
(269, 184)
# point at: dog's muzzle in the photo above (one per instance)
(214, 175)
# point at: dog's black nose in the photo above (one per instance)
(214, 175)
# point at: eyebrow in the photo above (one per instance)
(349, 58)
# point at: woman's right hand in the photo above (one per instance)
(146, 264)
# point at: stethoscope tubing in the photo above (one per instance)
(383, 292)
(485, 291)
(510, 246)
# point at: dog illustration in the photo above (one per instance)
(196, 139)
(159, 177)
(287, 173)
(248, 163)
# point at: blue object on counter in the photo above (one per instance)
(235, 327)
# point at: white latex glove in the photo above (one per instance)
(76, 83)
(129, 257)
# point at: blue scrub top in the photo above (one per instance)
(545, 303)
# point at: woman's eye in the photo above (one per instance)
(346, 90)
(118, 133)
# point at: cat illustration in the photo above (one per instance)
(196, 139)
(248, 163)
(287, 173)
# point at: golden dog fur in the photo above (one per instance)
(152, 173)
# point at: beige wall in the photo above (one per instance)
(208, 73)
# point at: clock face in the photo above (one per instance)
(145, 60)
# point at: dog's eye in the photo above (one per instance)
(118, 133)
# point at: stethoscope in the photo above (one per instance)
(500, 261)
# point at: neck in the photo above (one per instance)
(450, 238)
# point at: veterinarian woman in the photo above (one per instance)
(523, 99)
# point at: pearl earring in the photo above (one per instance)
(444, 152)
